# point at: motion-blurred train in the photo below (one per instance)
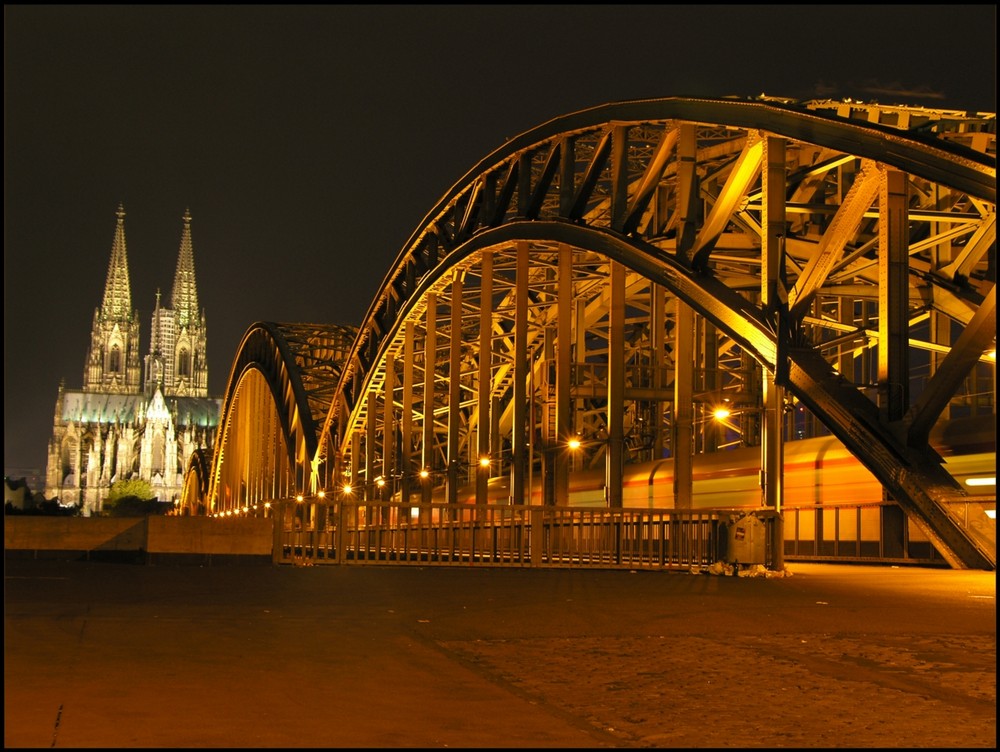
(816, 471)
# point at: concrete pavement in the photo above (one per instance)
(119, 655)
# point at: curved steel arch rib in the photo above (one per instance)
(679, 191)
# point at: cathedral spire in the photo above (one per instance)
(117, 305)
(154, 361)
(154, 342)
(183, 335)
(113, 363)
(184, 300)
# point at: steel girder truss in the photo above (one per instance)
(613, 272)
(830, 254)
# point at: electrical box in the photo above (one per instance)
(747, 541)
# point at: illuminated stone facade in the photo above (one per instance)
(131, 421)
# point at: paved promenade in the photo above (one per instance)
(118, 655)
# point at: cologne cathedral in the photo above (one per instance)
(135, 417)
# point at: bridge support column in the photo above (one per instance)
(389, 430)
(454, 388)
(520, 417)
(893, 322)
(564, 338)
(683, 438)
(773, 300)
(893, 297)
(615, 457)
(773, 465)
(483, 433)
(406, 429)
(427, 441)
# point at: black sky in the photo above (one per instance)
(309, 141)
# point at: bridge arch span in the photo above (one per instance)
(197, 476)
(613, 273)
(280, 386)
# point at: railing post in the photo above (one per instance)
(537, 536)
(338, 532)
(277, 525)
(619, 527)
(778, 541)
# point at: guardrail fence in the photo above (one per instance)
(319, 532)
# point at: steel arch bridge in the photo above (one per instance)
(613, 275)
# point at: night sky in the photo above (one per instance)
(309, 141)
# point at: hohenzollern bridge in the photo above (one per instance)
(634, 316)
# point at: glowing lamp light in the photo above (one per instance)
(380, 481)
(721, 413)
(347, 489)
(574, 443)
(321, 494)
(425, 473)
(298, 498)
(484, 462)
(981, 481)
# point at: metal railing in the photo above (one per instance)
(872, 532)
(323, 532)
(319, 531)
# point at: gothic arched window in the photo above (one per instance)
(115, 360)
(184, 363)
(158, 458)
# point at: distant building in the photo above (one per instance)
(17, 494)
(34, 477)
(135, 417)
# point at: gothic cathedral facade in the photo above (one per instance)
(135, 417)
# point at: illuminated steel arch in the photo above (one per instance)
(197, 477)
(613, 273)
(280, 388)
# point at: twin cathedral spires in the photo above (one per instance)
(135, 417)
(176, 363)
